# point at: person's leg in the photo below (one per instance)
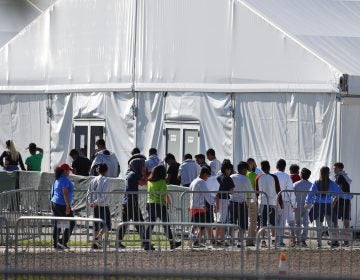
(252, 209)
(318, 231)
(122, 230)
(68, 231)
(298, 220)
(151, 208)
(305, 223)
(280, 223)
(56, 230)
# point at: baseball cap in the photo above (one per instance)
(65, 166)
(32, 146)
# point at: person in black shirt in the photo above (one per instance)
(223, 196)
(81, 165)
(12, 158)
(343, 206)
(173, 170)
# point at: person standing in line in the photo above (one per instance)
(81, 165)
(188, 171)
(62, 192)
(12, 158)
(214, 163)
(158, 202)
(252, 166)
(172, 171)
(252, 205)
(322, 193)
(153, 160)
(33, 162)
(198, 196)
(269, 184)
(226, 185)
(105, 156)
(343, 206)
(135, 153)
(200, 160)
(238, 200)
(287, 213)
(301, 214)
(130, 203)
(294, 173)
(99, 199)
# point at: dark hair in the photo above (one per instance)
(241, 166)
(100, 142)
(102, 168)
(134, 151)
(169, 156)
(324, 180)
(281, 165)
(305, 173)
(294, 169)
(152, 151)
(7, 143)
(226, 164)
(74, 152)
(339, 165)
(265, 166)
(106, 152)
(158, 173)
(58, 172)
(188, 156)
(205, 170)
(210, 152)
(200, 156)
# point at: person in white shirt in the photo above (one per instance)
(99, 199)
(242, 193)
(289, 200)
(105, 156)
(188, 171)
(214, 163)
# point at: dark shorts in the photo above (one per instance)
(344, 209)
(264, 216)
(199, 218)
(102, 212)
(239, 214)
(209, 215)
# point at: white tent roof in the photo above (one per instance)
(180, 45)
(15, 15)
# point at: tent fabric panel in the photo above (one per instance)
(297, 127)
(114, 108)
(212, 111)
(73, 43)
(219, 49)
(24, 120)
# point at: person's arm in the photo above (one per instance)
(278, 190)
(66, 199)
(2, 159)
(21, 163)
(310, 197)
(40, 150)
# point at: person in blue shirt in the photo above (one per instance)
(321, 195)
(61, 198)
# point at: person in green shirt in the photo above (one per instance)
(252, 205)
(33, 162)
(157, 203)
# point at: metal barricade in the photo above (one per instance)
(40, 253)
(4, 244)
(189, 254)
(310, 261)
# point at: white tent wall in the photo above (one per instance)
(114, 108)
(24, 120)
(298, 127)
(349, 150)
(212, 111)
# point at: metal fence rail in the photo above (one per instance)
(310, 261)
(4, 243)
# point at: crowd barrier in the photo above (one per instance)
(4, 235)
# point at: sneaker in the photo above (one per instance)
(96, 245)
(346, 244)
(121, 246)
(318, 246)
(250, 244)
(238, 245)
(59, 246)
(303, 244)
(334, 244)
(174, 245)
(263, 244)
(197, 244)
(149, 248)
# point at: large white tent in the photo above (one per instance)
(267, 79)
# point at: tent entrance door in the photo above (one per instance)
(181, 139)
(87, 132)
